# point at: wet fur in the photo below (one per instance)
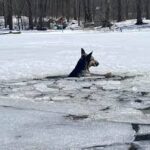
(83, 65)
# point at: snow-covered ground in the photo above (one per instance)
(126, 26)
(39, 113)
(130, 25)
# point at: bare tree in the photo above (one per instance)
(67, 9)
(106, 21)
(4, 13)
(42, 13)
(75, 9)
(126, 9)
(87, 10)
(30, 14)
(102, 12)
(10, 14)
(119, 18)
(147, 3)
(139, 12)
(79, 11)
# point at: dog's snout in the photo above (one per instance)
(97, 63)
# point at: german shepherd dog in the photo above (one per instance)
(83, 65)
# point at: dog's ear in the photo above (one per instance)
(82, 52)
(89, 56)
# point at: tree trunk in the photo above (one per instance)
(41, 13)
(75, 10)
(126, 9)
(147, 9)
(93, 10)
(62, 8)
(87, 11)
(79, 11)
(68, 10)
(119, 10)
(106, 21)
(30, 14)
(139, 12)
(107, 10)
(10, 14)
(4, 13)
(90, 19)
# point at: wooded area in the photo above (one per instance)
(98, 12)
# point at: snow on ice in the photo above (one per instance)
(40, 108)
(31, 55)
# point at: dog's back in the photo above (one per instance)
(79, 69)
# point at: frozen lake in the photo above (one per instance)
(40, 54)
(42, 109)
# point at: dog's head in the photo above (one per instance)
(90, 61)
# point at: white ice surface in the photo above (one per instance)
(38, 54)
(26, 126)
(32, 112)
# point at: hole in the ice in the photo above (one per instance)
(93, 77)
(138, 101)
(142, 137)
(76, 117)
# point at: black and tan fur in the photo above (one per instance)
(83, 65)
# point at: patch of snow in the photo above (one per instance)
(73, 25)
